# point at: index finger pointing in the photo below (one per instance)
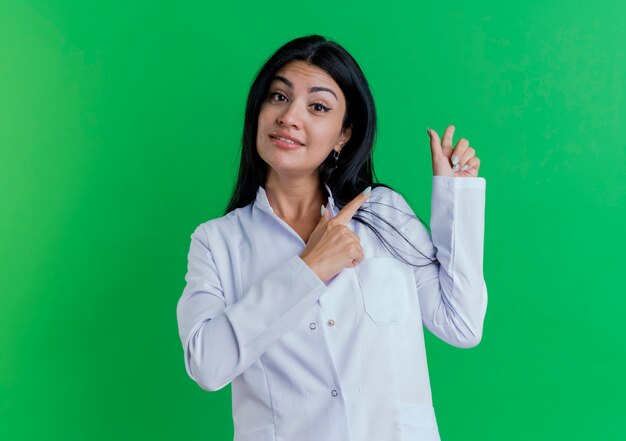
(351, 207)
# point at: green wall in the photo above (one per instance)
(119, 132)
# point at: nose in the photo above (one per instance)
(290, 116)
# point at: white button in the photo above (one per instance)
(334, 393)
(331, 322)
(312, 326)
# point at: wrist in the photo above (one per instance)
(312, 266)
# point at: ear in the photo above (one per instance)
(345, 136)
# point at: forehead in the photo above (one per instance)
(300, 71)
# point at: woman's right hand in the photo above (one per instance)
(332, 246)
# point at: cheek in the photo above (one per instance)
(264, 115)
(327, 134)
(261, 125)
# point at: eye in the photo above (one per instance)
(277, 96)
(319, 107)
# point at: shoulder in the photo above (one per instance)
(225, 227)
(397, 222)
(385, 199)
(381, 192)
(389, 205)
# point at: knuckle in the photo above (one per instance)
(339, 232)
(342, 229)
(337, 227)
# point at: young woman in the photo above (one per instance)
(310, 294)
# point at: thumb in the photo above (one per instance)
(435, 143)
(325, 215)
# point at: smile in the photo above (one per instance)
(285, 142)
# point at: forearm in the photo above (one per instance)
(451, 288)
(222, 345)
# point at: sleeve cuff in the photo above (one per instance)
(453, 182)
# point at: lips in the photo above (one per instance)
(286, 138)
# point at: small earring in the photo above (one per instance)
(336, 156)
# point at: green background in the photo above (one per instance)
(120, 124)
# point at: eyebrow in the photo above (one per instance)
(311, 89)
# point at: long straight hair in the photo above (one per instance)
(354, 170)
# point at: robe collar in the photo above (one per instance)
(262, 202)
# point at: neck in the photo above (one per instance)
(294, 198)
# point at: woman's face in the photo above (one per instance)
(305, 105)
